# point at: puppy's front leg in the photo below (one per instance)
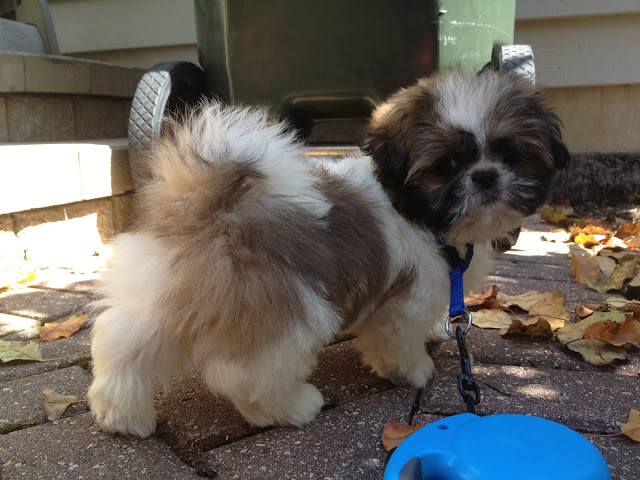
(395, 350)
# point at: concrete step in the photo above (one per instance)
(41, 175)
(55, 98)
(61, 202)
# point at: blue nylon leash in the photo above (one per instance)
(457, 266)
(456, 304)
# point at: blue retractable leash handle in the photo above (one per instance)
(494, 447)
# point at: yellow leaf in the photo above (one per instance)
(551, 307)
(556, 215)
(586, 240)
(625, 270)
(10, 351)
(30, 278)
(585, 269)
(56, 404)
(607, 264)
(394, 433)
(632, 428)
(524, 301)
(491, 319)
(53, 331)
(539, 328)
(483, 300)
(597, 352)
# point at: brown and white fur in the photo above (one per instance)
(247, 257)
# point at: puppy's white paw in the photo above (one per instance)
(308, 403)
(415, 371)
(421, 372)
(296, 409)
(126, 416)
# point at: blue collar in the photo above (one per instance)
(457, 266)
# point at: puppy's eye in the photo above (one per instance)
(505, 150)
(444, 165)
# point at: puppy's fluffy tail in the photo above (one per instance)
(231, 150)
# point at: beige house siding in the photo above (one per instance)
(136, 33)
(587, 60)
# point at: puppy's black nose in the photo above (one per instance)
(485, 178)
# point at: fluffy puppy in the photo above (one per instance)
(248, 256)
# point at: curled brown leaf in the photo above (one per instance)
(394, 433)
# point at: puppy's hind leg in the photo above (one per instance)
(125, 359)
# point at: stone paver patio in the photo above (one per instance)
(203, 436)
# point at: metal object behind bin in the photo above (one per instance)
(27, 27)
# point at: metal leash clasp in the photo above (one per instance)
(451, 320)
(466, 383)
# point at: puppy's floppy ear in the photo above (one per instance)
(387, 144)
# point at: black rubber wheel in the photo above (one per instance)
(516, 59)
(169, 88)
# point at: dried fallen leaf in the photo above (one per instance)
(484, 299)
(611, 253)
(551, 307)
(56, 404)
(632, 428)
(491, 319)
(632, 289)
(22, 283)
(615, 243)
(585, 269)
(575, 331)
(590, 229)
(394, 433)
(539, 328)
(634, 309)
(586, 240)
(633, 242)
(599, 317)
(557, 215)
(607, 264)
(53, 331)
(578, 250)
(615, 333)
(524, 301)
(618, 301)
(624, 271)
(589, 221)
(583, 312)
(10, 351)
(592, 350)
(628, 230)
(597, 352)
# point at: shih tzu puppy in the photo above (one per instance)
(248, 257)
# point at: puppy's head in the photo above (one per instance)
(466, 156)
